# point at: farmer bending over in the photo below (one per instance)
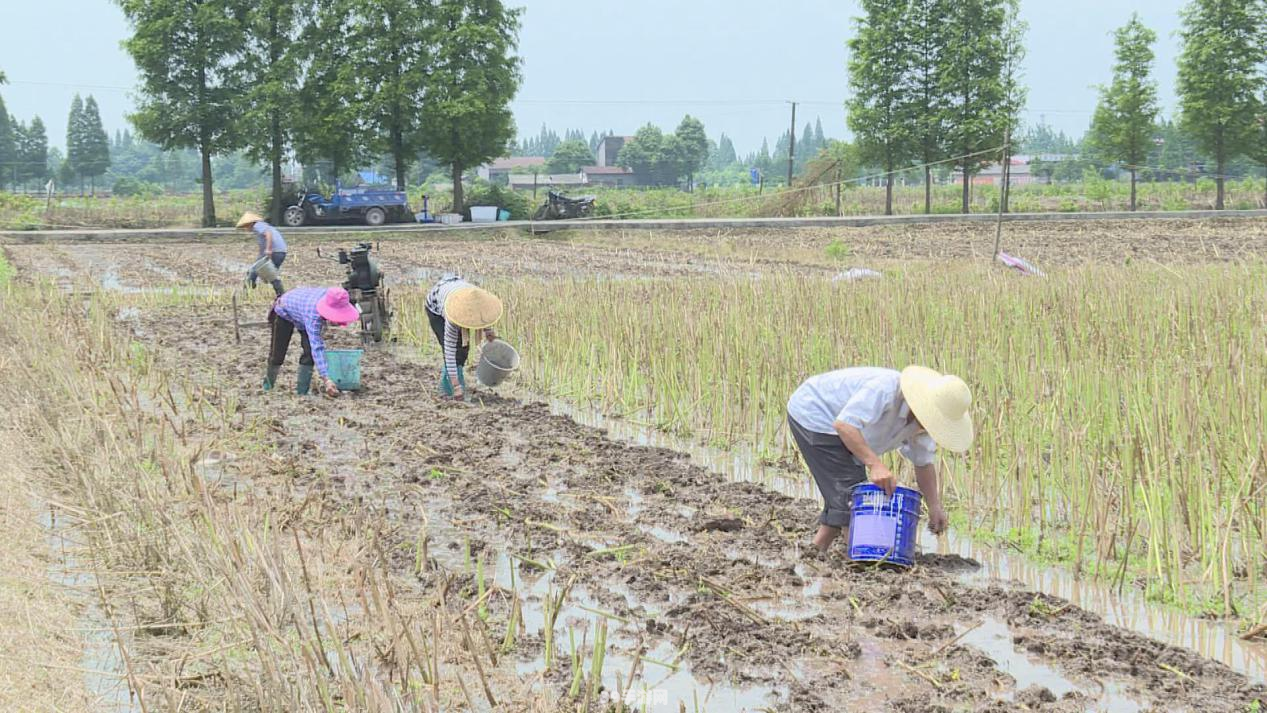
(844, 420)
(456, 308)
(271, 243)
(309, 309)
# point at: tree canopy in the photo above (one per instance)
(1220, 77)
(569, 157)
(1123, 125)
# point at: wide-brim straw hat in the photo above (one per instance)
(941, 402)
(472, 308)
(336, 307)
(248, 218)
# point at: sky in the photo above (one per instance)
(616, 65)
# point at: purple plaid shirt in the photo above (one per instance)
(299, 307)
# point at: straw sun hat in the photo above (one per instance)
(472, 308)
(941, 403)
(248, 218)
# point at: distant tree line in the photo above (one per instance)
(936, 82)
(336, 83)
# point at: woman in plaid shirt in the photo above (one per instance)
(307, 309)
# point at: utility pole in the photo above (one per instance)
(791, 146)
(998, 226)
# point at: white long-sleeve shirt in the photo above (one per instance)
(869, 399)
(453, 334)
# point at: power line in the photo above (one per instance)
(71, 85)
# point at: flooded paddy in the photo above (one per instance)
(552, 527)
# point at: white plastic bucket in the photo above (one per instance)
(483, 214)
(265, 269)
(497, 361)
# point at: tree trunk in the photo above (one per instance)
(208, 197)
(275, 151)
(457, 188)
(1218, 182)
(928, 187)
(1265, 184)
(888, 189)
(398, 151)
(1132, 190)
(966, 180)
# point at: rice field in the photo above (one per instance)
(215, 546)
(1119, 410)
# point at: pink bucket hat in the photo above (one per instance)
(336, 308)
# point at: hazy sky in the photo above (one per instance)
(614, 64)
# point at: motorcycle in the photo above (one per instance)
(561, 207)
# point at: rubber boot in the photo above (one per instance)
(277, 287)
(270, 377)
(304, 380)
(446, 389)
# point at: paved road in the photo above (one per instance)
(178, 235)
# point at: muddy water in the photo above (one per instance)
(1127, 609)
(993, 638)
(105, 675)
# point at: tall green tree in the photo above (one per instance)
(8, 147)
(33, 152)
(270, 69)
(1122, 126)
(94, 158)
(979, 72)
(186, 52)
(693, 146)
(76, 139)
(474, 75)
(1258, 140)
(1220, 77)
(878, 66)
(569, 157)
(643, 153)
(926, 100)
(725, 155)
(330, 129)
(392, 57)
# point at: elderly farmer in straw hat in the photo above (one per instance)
(271, 243)
(456, 308)
(307, 309)
(844, 420)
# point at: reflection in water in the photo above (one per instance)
(993, 638)
(103, 667)
(1211, 639)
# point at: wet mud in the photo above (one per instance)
(711, 596)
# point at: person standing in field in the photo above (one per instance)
(271, 244)
(844, 420)
(456, 309)
(307, 309)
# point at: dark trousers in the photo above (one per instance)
(283, 330)
(437, 326)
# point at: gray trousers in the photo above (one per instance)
(835, 472)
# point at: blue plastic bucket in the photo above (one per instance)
(345, 368)
(884, 529)
(503, 214)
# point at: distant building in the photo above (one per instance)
(528, 181)
(613, 176)
(609, 148)
(1019, 173)
(499, 171)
